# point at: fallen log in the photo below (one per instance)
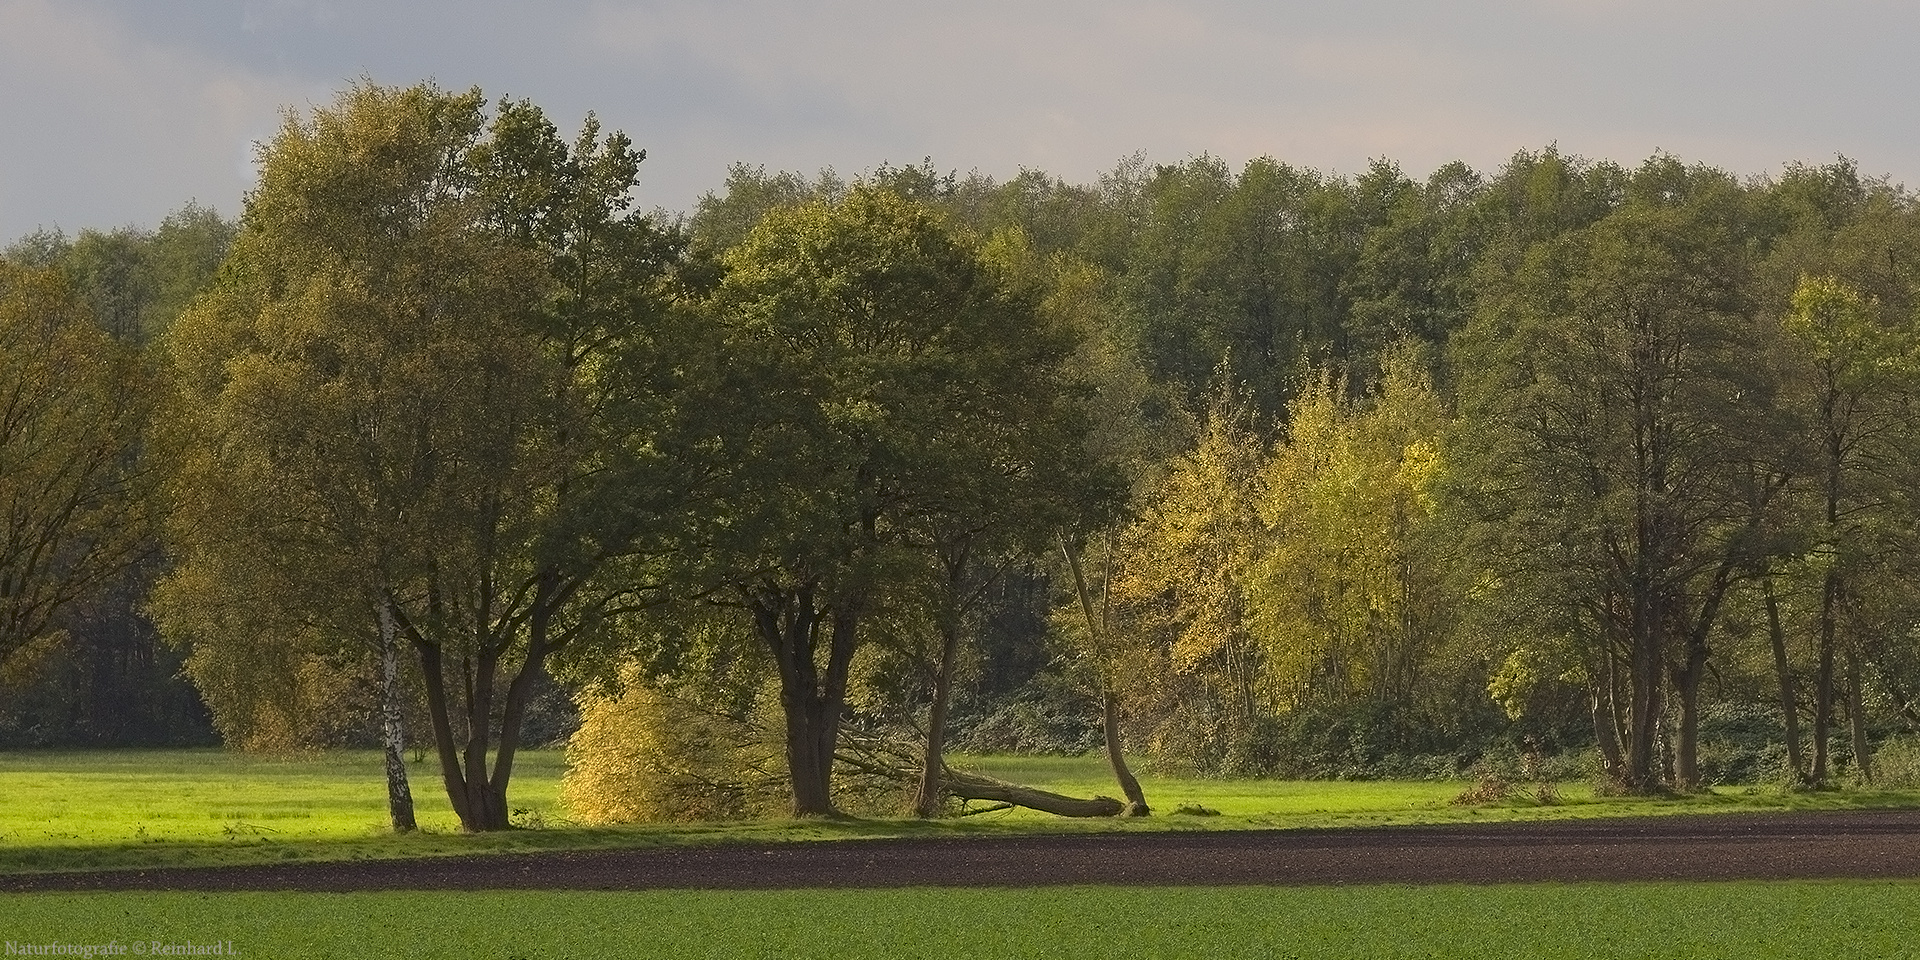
(889, 760)
(973, 786)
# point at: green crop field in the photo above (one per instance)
(1540, 922)
(132, 808)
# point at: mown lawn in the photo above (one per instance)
(1543, 921)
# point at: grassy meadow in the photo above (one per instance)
(142, 808)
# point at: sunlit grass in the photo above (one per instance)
(1321, 803)
(88, 798)
(148, 808)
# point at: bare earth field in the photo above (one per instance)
(1868, 844)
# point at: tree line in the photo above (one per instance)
(1267, 471)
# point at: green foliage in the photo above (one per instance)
(1896, 763)
(1741, 743)
(1275, 585)
(439, 394)
(1049, 717)
(448, 372)
(911, 418)
(75, 511)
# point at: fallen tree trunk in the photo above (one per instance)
(972, 786)
(891, 760)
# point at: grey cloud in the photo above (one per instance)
(160, 110)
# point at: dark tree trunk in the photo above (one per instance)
(477, 792)
(1687, 749)
(1606, 735)
(789, 622)
(968, 786)
(927, 799)
(1646, 700)
(1692, 669)
(433, 675)
(1823, 682)
(1857, 720)
(1783, 671)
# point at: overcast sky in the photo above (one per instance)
(117, 111)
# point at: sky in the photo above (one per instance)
(116, 112)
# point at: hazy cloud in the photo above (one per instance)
(126, 108)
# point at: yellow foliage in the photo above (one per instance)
(1343, 594)
(644, 755)
(281, 697)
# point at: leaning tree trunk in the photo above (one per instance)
(1110, 724)
(1783, 671)
(927, 799)
(1109, 700)
(968, 786)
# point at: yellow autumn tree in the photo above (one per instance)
(1179, 591)
(1348, 597)
(647, 754)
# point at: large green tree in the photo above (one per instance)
(437, 379)
(1625, 436)
(903, 396)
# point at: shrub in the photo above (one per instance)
(1740, 743)
(647, 755)
(1037, 718)
(1896, 763)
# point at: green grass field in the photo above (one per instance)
(1542, 921)
(102, 809)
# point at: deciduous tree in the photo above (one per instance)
(74, 503)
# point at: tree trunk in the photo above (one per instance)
(1109, 700)
(520, 692)
(1823, 682)
(399, 794)
(927, 801)
(1606, 736)
(1646, 701)
(479, 807)
(1783, 671)
(811, 773)
(433, 674)
(968, 786)
(1692, 669)
(789, 623)
(1857, 720)
(1110, 726)
(1687, 750)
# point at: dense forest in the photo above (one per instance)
(769, 504)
